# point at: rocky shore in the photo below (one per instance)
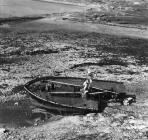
(28, 52)
(26, 55)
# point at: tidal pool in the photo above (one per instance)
(21, 116)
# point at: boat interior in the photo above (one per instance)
(62, 93)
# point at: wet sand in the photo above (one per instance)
(48, 24)
(20, 8)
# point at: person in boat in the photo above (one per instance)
(87, 85)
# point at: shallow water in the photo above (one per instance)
(9, 8)
(14, 117)
(19, 116)
(49, 24)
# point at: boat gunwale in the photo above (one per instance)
(47, 77)
(74, 85)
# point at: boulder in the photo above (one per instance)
(2, 131)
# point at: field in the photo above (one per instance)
(29, 49)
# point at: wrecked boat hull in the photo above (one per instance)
(71, 88)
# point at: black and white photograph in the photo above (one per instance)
(73, 69)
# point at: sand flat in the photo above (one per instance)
(19, 8)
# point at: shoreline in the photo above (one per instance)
(62, 2)
(20, 19)
(58, 24)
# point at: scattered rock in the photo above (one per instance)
(4, 26)
(1, 93)
(115, 124)
(16, 103)
(2, 131)
(127, 101)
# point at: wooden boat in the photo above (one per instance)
(63, 94)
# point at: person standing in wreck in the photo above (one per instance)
(87, 85)
(96, 101)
